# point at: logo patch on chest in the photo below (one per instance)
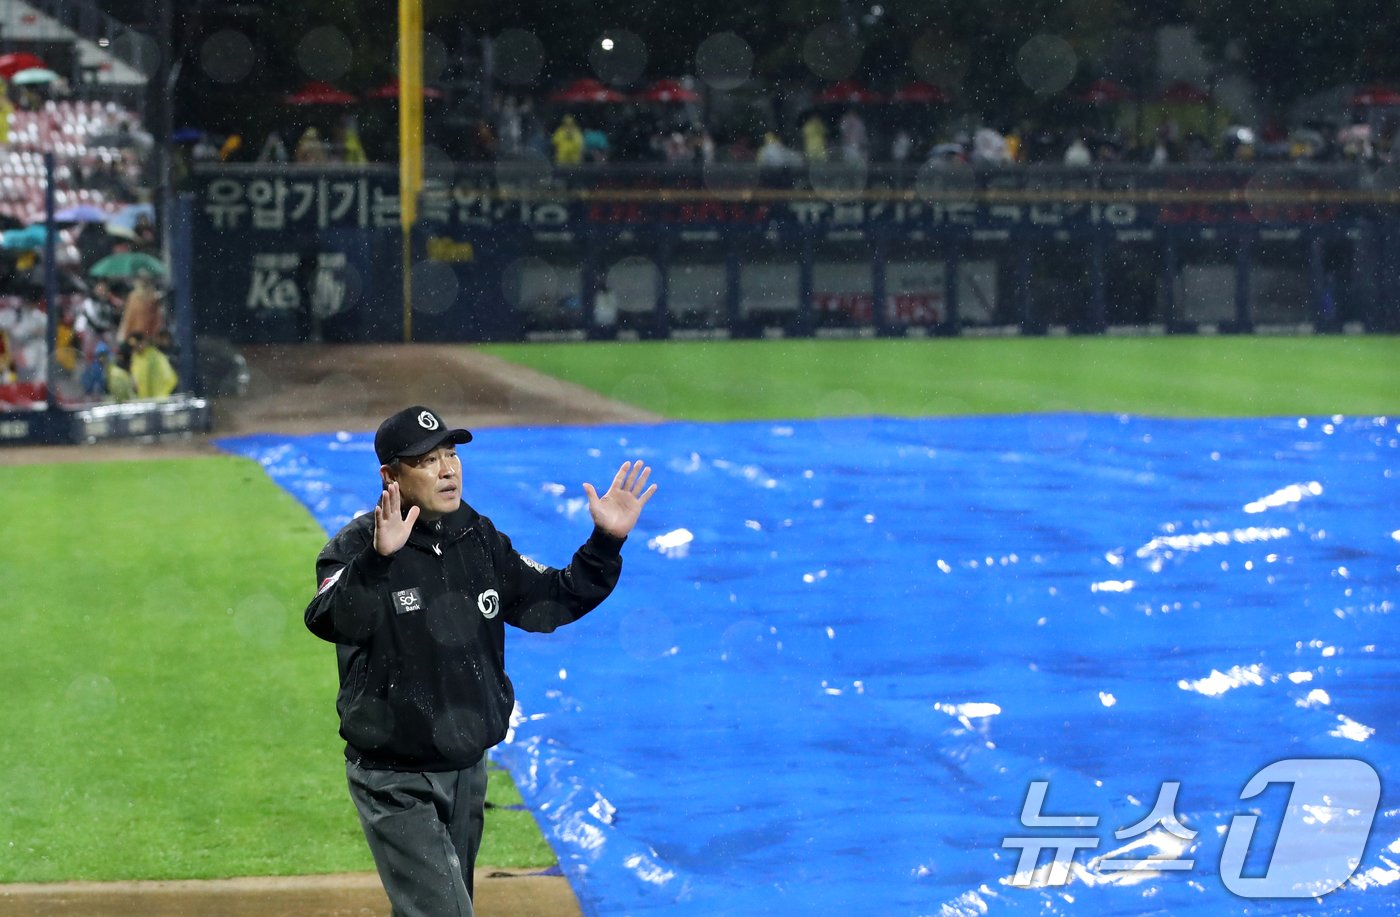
(407, 600)
(489, 603)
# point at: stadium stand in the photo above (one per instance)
(87, 114)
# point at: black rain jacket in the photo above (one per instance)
(420, 636)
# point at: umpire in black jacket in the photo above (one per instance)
(416, 596)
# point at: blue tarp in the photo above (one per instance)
(843, 651)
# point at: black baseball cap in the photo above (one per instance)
(414, 431)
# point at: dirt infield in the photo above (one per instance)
(317, 388)
(312, 389)
(499, 893)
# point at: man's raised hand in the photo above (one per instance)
(391, 529)
(616, 511)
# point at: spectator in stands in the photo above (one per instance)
(97, 318)
(7, 109)
(232, 148)
(740, 149)
(94, 378)
(151, 371)
(595, 145)
(675, 148)
(1161, 154)
(535, 142)
(142, 313)
(855, 141)
(814, 138)
(352, 150)
(166, 344)
(120, 386)
(774, 154)
(311, 149)
(8, 371)
(901, 147)
(510, 126)
(989, 146)
(1077, 153)
(273, 149)
(704, 145)
(568, 142)
(133, 137)
(481, 141)
(604, 304)
(145, 230)
(204, 150)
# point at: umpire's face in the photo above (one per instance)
(431, 481)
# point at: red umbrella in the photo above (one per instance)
(390, 90)
(1374, 95)
(318, 93)
(10, 64)
(848, 92)
(921, 94)
(587, 89)
(1103, 92)
(1182, 91)
(668, 91)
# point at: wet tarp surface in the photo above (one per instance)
(845, 654)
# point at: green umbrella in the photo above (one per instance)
(34, 76)
(127, 264)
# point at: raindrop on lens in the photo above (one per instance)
(730, 176)
(530, 283)
(324, 53)
(646, 634)
(519, 55)
(623, 62)
(724, 61)
(1268, 189)
(846, 403)
(227, 56)
(946, 181)
(259, 619)
(525, 172)
(838, 177)
(831, 52)
(138, 48)
(658, 396)
(435, 58)
(1386, 178)
(447, 392)
(353, 281)
(343, 393)
(434, 287)
(1057, 434)
(937, 60)
(635, 282)
(438, 167)
(92, 693)
(1046, 64)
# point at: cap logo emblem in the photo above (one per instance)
(427, 421)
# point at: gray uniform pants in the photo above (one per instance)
(424, 830)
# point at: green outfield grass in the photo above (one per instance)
(167, 715)
(1169, 376)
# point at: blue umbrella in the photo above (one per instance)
(82, 213)
(27, 239)
(129, 214)
(187, 135)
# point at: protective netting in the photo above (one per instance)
(842, 652)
